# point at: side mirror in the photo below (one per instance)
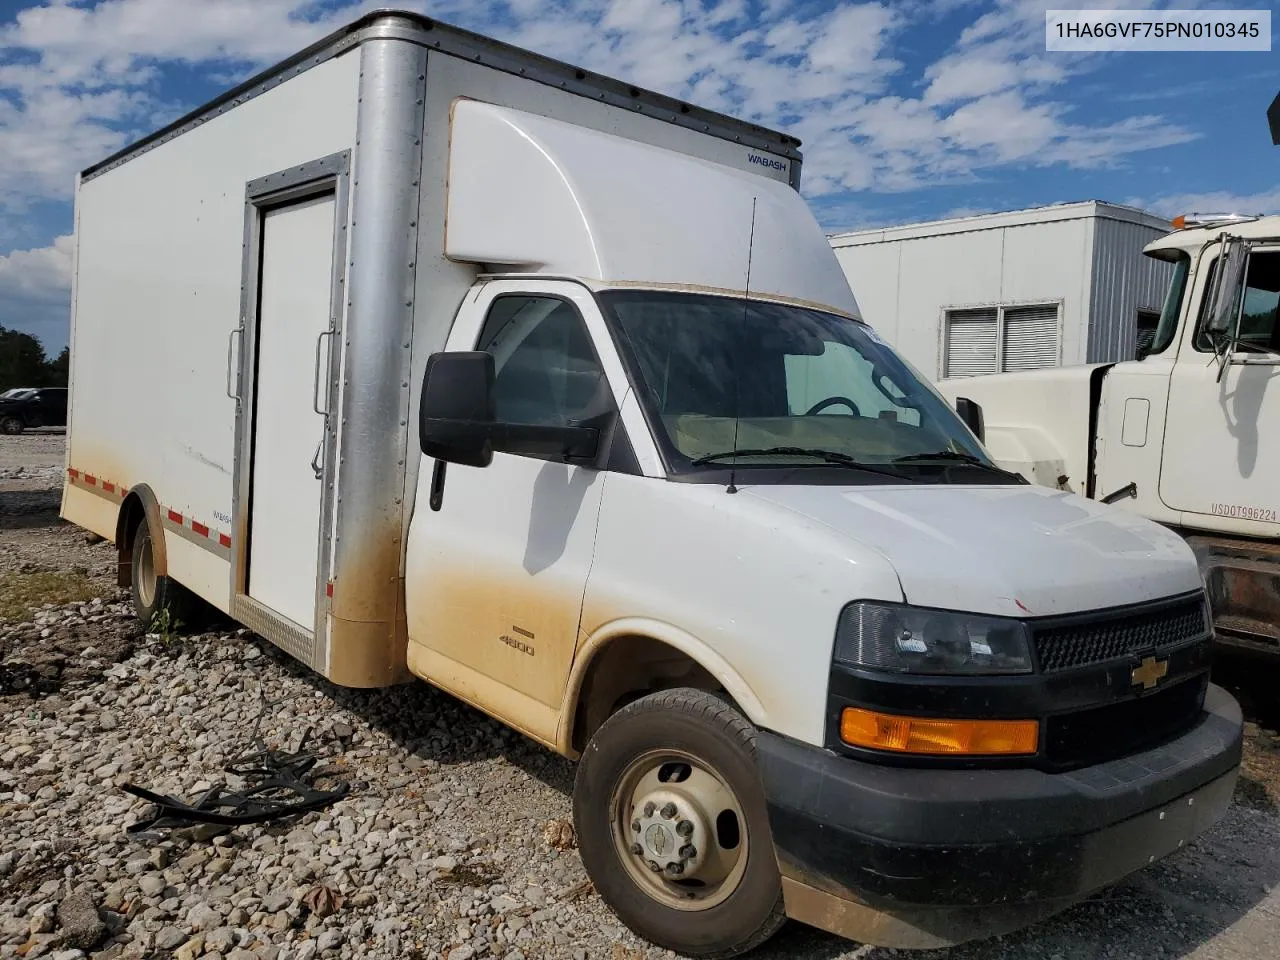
(1224, 308)
(455, 417)
(971, 414)
(457, 424)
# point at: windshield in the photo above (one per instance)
(1168, 324)
(720, 375)
(16, 392)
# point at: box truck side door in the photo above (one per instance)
(1220, 458)
(294, 287)
(498, 559)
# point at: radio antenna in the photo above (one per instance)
(737, 358)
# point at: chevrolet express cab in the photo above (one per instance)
(423, 356)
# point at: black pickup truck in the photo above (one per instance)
(27, 407)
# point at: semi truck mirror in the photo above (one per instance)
(971, 413)
(455, 416)
(1224, 309)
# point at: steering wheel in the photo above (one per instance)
(832, 402)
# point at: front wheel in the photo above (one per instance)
(10, 425)
(673, 828)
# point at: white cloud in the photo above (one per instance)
(34, 292)
(78, 81)
(85, 79)
(1218, 201)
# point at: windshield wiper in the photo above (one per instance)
(941, 455)
(830, 456)
(958, 457)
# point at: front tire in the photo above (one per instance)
(10, 426)
(673, 828)
(153, 594)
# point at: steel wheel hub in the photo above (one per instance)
(679, 830)
(670, 833)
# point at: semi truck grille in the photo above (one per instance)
(1118, 729)
(1065, 646)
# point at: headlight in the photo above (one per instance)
(902, 639)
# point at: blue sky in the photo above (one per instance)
(909, 110)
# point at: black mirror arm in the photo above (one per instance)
(570, 443)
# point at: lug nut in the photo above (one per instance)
(675, 869)
(688, 852)
(653, 865)
(635, 826)
(649, 808)
(684, 828)
(637, 849)
(668, 811)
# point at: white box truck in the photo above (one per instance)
(421, 355)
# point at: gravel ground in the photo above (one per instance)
(454, 842)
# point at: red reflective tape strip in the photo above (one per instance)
(107, 486)
(328, 589)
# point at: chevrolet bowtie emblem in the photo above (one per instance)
(1149, 672)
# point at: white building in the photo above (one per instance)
(1056, 285)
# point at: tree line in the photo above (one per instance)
(23, 362)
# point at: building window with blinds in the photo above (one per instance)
(1000, 339)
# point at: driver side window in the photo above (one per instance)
(546, 369)
(1258, 320)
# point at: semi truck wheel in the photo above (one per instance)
(10, 425)
(672, 825)
(154, 594)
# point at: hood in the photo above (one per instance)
(1007, 550)
(1037, 421)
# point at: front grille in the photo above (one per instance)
(1080, 644)
(1118, 729)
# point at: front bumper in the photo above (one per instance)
(916, 857)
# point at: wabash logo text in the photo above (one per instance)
(772, 163)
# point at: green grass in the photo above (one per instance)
(21, 594)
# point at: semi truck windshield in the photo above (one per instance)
(720, 375)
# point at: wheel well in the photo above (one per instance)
(627, 669)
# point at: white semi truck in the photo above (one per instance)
(422, 355)
(1178, 435)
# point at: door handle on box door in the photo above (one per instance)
(315, 386)
(316, 468)
(233, 392)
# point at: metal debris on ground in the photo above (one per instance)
(279, 785)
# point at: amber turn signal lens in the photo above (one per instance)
(887, 731)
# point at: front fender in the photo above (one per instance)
(696, 650)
